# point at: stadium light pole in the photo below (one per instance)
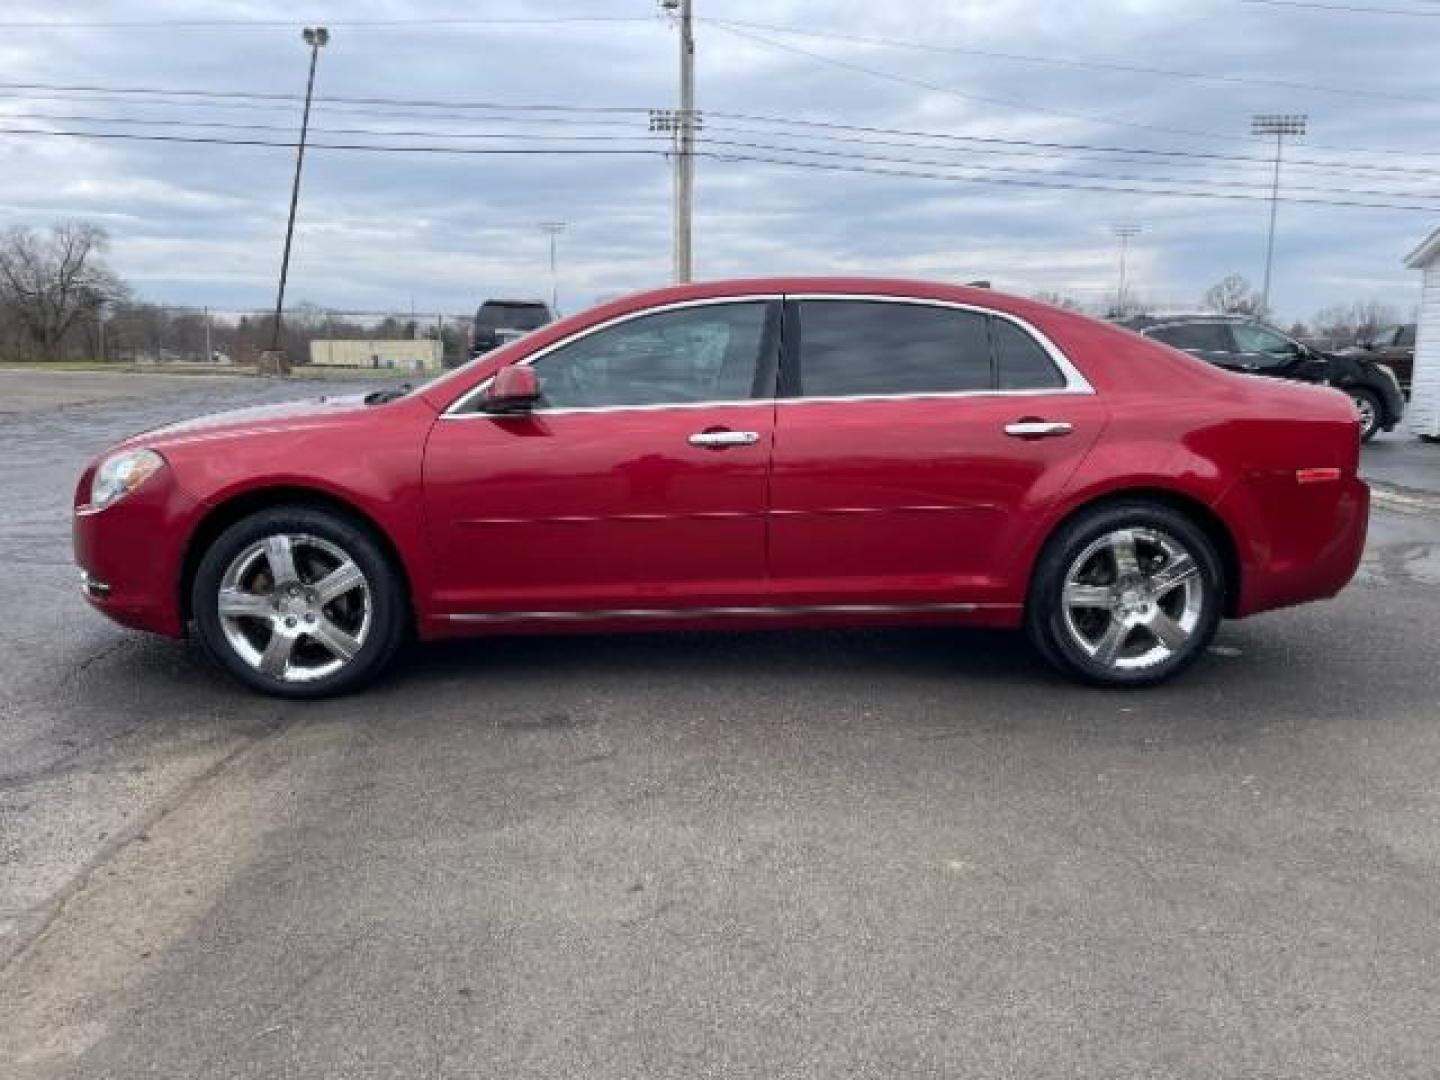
(1279, 125)
(1125, 233)
(554, 229)
(317, 37)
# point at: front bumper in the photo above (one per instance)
(130, 554)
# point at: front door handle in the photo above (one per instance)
(1038, 429)
(724, 438)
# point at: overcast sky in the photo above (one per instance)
(203, 224)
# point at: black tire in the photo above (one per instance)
(376, 615)
(1368, 405)
(1062, 634)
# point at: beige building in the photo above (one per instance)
(421, 354)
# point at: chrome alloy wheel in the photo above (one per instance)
(294, 607)
(1133, 598)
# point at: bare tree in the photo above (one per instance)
(51, 284)
(1060, 300)
(1232, 295)
(1348, 324)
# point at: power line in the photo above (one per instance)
(553, 113)
(352, 24)
(1065, 61)
(1024, 106)
(937, 88)
(718, 156)
(531, 136)
(1352, 9)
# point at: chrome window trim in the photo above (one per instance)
(1075, 382)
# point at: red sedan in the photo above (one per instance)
(764, 453)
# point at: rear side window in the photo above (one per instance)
(1021, 364)
(852, 348)
(1205, 337)
(1405, 337)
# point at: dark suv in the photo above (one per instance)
(1244, 344)
(499, 321)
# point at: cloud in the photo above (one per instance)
(203, 224)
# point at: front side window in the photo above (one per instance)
(1197, 337)
(1269, 346)
(688, 355)
(859, 348)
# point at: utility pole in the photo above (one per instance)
(554, 229)
(1279, 125)
(209, 352)
(316, 37)
(684, 123)
(1126, 233)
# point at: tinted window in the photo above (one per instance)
(862, 347)
(1269, 348)
(1405, 337)
(1206, 336)
(1022, 364)
(1252, 338)
(672, 357)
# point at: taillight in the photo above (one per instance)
(1317, 476)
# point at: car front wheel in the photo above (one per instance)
(299, 602)
(1127, 594)
(1367, 407)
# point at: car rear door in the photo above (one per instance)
(637, 485)
(914, 443)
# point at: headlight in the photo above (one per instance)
(122, 473)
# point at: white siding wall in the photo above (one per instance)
(1425, 391)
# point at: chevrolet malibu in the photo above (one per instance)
(799, 452)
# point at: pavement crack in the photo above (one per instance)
(138, 832)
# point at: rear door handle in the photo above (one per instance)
(724, 438)
(1038, 429)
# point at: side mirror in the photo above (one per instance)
(514, 389)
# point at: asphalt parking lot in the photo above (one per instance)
(778, 855)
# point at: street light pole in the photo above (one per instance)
(554, 229)
(316, 37)
(1279, 125)
(1125, 233)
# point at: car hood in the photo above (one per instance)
(285, 415)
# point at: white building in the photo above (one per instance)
(1424, 408)
(422, 354)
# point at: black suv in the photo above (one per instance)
(499, 321)
(1244, 344)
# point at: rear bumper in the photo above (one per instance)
(1300, 542)
(130, 555)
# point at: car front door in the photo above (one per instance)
(914, 441)
(1268, 352)
(636, 484)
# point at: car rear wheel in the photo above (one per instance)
(1368, 408)
(1127, 594)
(299, 602)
